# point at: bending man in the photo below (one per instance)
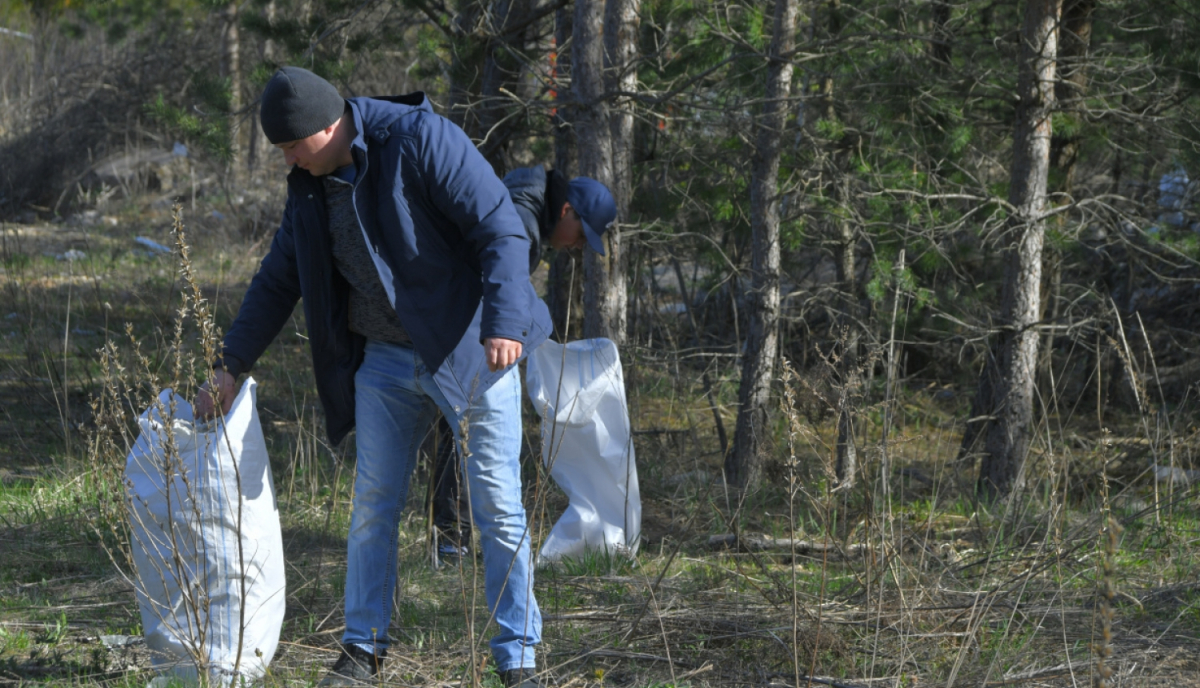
(413, 267)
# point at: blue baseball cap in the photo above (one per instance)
(594, 205)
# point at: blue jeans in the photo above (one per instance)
(395, 397)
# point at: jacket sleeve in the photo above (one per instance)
(535, 240)
(268, 303)
(464, 188)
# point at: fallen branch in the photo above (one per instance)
(824, 681)
(764, 543)
(1059, 671)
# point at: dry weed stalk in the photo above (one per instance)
(794, 425)
(479, 661)
(462, 455)
(822, 504)
(1110, 535)
(125, 390)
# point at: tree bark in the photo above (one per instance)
(620, 48)
(233, 72)
(1075, 35)
(744, 462)
(564, 288)
(846, 462)
(594, 137)
(1008, 436)
(500, 71)
(846, 334)
(563, 118)
(260, 149)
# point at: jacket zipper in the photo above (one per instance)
(388, 286)
(354, 203)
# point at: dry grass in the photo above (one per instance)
(942, 592)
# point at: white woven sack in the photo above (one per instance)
(586, 441)
(208, 555)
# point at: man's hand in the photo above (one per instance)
(501, 353)
(223, 386)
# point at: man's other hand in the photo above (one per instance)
(501, 353)
(223, 386)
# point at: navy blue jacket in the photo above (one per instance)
(531, 191)
(449, 248)
(527, 188)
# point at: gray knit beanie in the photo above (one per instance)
(297, 104)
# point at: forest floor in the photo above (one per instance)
(905, 581)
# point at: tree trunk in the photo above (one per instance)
(1074, 39)
(846, 462)
(620, 48)
(500, 72)
(981, 409)
(260, 149)
(1001, 470)
(563, 118)
(594, 137)
(564, 287)
(846, 334)
(233, 72)
(743, 463)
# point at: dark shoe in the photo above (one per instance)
(451, 555)
(520, 678)
(355, 667)
(449, 551)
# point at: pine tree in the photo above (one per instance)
(743, 464)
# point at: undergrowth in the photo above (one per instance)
(1085, 577)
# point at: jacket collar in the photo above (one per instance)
(373, 116)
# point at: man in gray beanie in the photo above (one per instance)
(413, 267)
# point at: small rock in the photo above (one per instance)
(73, 254)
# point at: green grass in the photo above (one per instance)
(948, 588)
